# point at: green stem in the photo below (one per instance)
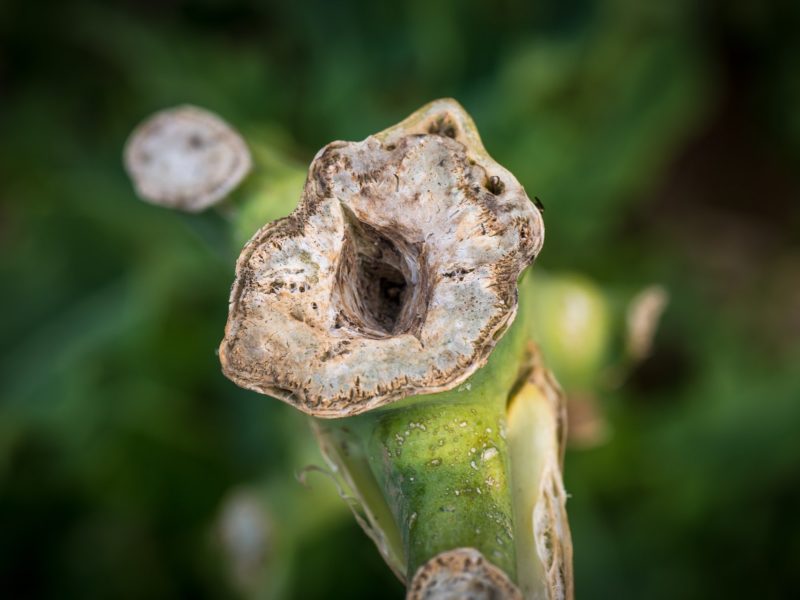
(442, 461)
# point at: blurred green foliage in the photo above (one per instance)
(664, 140)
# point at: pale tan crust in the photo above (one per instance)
(461, 574)
(186, 158)
(395, 275)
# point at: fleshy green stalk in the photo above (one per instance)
(442, 462)
(477, 467)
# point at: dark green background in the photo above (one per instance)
(664, 140)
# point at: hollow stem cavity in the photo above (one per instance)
(381, 283)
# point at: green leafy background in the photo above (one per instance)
(664, 140)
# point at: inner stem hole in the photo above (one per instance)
(378, 281)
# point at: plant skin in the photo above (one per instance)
(537, 435)
(478, 466)
(443, 462)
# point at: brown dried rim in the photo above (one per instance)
(395, 275)
(461, 574)
(185, 158)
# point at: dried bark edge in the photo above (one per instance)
(444, 118)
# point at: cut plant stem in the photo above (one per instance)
(384, 304)
(478, 466)
(443, 464)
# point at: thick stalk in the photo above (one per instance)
(442, 461)
(383, 304)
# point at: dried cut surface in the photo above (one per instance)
(461, 574)
(395, 275)
(186, 158)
